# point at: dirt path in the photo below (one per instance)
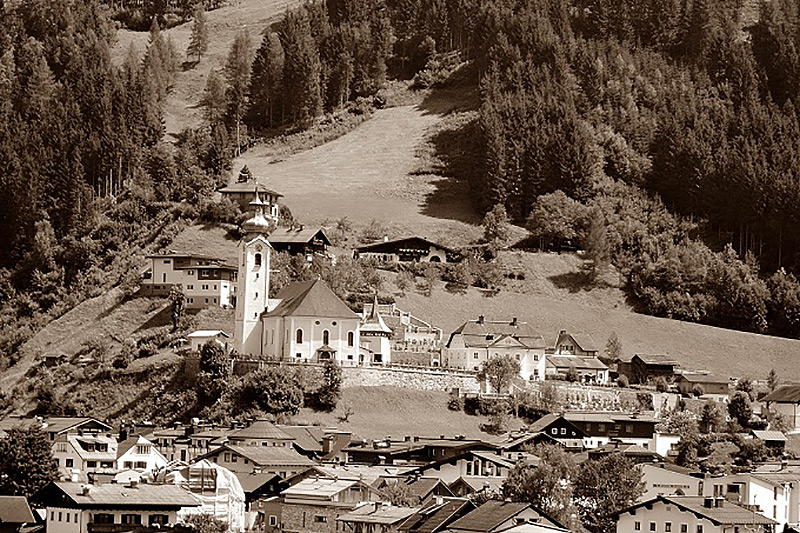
(367, 174)
(223, 24)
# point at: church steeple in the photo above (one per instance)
(257, 224)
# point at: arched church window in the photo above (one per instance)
(258, 260)
(325, 337)
(350, 337)
(299, 336)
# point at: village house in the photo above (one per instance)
(774, 495)
(15, 513)
(691, 514)
(587, 369)
(278, 460)
(600, 428)
(709, 385)
(581, 344)
(111, 508)
(300, 240)
(421, 489)
(785, 400)
(84, 453)
(203, 336)
(476, 341)
(138, 453)
(375, 518)
(314, 505)
(261, 433)
(495, 516)
(634, 452)
(556, 428)
(473, 463)
(243, 193)
(205, 281)
(775, 440)
(668, 479)
(410, 249)
(645, 368)
(412, 450)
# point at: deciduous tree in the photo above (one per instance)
(26, 462)
(498, 371)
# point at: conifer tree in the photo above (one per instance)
(214, 99)
(198, 44)
(237, 76)
(266, 83)
(301, 69)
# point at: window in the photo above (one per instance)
(103, 518)
(667, 527)
(273, 520)
(475, 355)
(52, 515)
(68, 463)
(140, 465)
(91, 464)
(143, 449)
(234, 458)
(563, 431)
(326, 337)
(226, 457)
(637, 526)
(76, 518)
(652, 526)
(258, 260)
(190, 287)
(350, 338)
(629, 428)
(106, 464)
(320, 519)
(699, 529)
(299, 337)
(59, 516)
(684, 528)
(191, 272)
(158, 519)
(68, 515)
(132, 519)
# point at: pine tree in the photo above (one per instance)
(301, 69)
(214, 98)
(595, 242)
(198, 45)
(237, 76)
(266, 83)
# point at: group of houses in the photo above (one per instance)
(290, 478)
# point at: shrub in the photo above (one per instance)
(698, 390)
(455, 403)
(623, 382)
(661, 384)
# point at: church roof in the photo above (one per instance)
(310, 298)
(373, 322)
(248, 186)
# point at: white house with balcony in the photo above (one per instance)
(138, 453)
(205, 281)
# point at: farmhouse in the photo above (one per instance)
(600, 428)
(284, 462)
(691, 514)
(645, 368)
(575, 344)
(707, 384)
(204, 280)
(786, 401)
(110, 508)
(410, 249)
(300, 240)
(478, 340)
(243, 193)
(589, 369)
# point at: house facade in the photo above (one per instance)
(645, 367)
(476, 341)
(284, 462)
(588, 369)
(786, 401)
(243, 193)
(314, 505)
(81, 454)
(709, 384)
(205, 281)
(138, 453)
(300, 240)
(575, 344)
(410, 249)
(203, 336)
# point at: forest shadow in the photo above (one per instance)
(162, 318)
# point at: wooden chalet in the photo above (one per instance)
(299, 240)
(409, 249)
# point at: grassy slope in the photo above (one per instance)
(254, 16)
(382, 411)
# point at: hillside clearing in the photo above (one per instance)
(183, 108)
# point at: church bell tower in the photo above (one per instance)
(252, 293)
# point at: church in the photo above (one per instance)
(306, 322)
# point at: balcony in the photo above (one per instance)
(136, 528)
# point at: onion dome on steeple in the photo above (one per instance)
(258, 223)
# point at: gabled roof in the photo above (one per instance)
(482, 333)
(302, 235)
(111, 447)
(784, 394)
(264, 455)
(701, 377)
(583, 341)
(728, 514)
(768, 435)
(436, 516)
(377, 513)
(609, 417)
(490, 515)
(479, 483)
(369, 474)
(420, 487)
(576, 361)
(656, 359)
(203, 333)
(373, 322)
(62, 424)
(310, 298)
(260, 429)
(15, 510)
(543, 423)
(116, 495)
(132, 441)
(248, 186)
(306, 438)
(253, 481)
(321, 488)
(406, 242)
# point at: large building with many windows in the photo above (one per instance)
(205, 281)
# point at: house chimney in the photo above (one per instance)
(385, 238)
(708, 502)
(85, 490)
(562, 332)
(480, 319)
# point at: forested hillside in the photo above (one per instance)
(660, 134)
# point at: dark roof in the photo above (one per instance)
(657, 359)
(406, 242)
(264, 455)
(261, 429)
(728, 514)
(61, 424)
(542, 423)
(310, 298)
(436, 516)
(583, 341)
(700, 377)
(15, 510)
(786, 393)
(113, 494)
(489, 515)
(300, 234)
(306, 438)
(768, 435)
(247, 186)
(483, 333)
(253, 481)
